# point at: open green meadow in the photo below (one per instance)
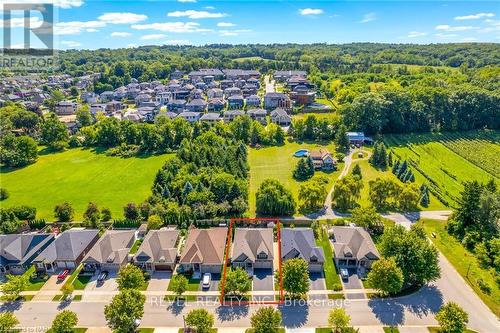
(444, 161)
(279, 163)
(80, 176)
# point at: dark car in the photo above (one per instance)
(102, 276)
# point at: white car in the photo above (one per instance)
(205, 283)
(344, 274)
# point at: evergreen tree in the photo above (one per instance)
(389, 159)
(303, 170)
(395, 167)
(356, 171)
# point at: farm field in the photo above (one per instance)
(442, 168)
(370, 173)
(464, 261)
(279, 163)
(80, 176)
(325, 115)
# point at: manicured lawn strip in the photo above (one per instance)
(331, 275)
(75, 330)
(81, 282)
(336, 296)
(213, 330)
(251, 330)
(434, 329)
(80, 176)
(27, 298)
(193, 284)
(33, 284)
(135, 246)
(323, 330)
(464, 261)
(278, 163)
(391, 330)
(146, 330)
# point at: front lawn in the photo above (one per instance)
(331, 275)
(34, 284)
(193, 284)
(465, 263)
(80, 176)
(434, 329)
(279, 163)
(391, 330)
(78, 281)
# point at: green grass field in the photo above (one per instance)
(442, 168)
(332, 277)
(80, 176)
(464, 261)
(279, 163)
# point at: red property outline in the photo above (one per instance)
(226, 262)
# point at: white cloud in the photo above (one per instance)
(177, 42)
(225, 24)
(229, 33)
(368, 18)
(195, 14)
(76, 27)
(210, 7)
(446, 27)
(413, 34)
(179, 27)
(474, 16)
(91, 30)
(68, 3)
(18, 22)
(70, 43)
(120, 34)
(122, 18)
(153, 36)
(311, 11)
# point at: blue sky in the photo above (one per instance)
(91, 24)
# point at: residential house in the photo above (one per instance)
(300, 243)
(17, 251)
(106, 96)
(114, 106)
(67, 250)
(230, 115)
(302, 95)
(210, 118)
(322, 159)
(281, 117)
(235, 102)
(215, 93)
(253, 101)
(204, 250)
(215, 73)
(224, 84)
(258, 114)
(65, 108)
(110, 252)
(96, 108)
(158, 251)
(358, 138)
(215, 105)
(353, 247)
(163, 97)
(133, 115)
(142, 98)
(89, 97)
(176, 75)
(282, 76)
(196, 105)
(232, 91)
(253, 249)
(176, 105)
(190, 116)
(275, 100)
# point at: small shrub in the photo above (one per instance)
(337, 287)
(4, 194)
(485, 288)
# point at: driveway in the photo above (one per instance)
(159, 281)
(100, 291)
(263, 280)
(317, 282)
(354, 282)
(52, 284)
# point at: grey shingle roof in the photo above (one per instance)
(299, 243)
(353, 242)
(20, 248)
(68, 246)
(204, 246)
(113, 247)
(249, 242)
(158, 246)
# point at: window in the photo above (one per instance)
(262, 255)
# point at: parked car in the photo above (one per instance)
(102, 276)
(344, 274)
(207, 277)
(63, 275)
